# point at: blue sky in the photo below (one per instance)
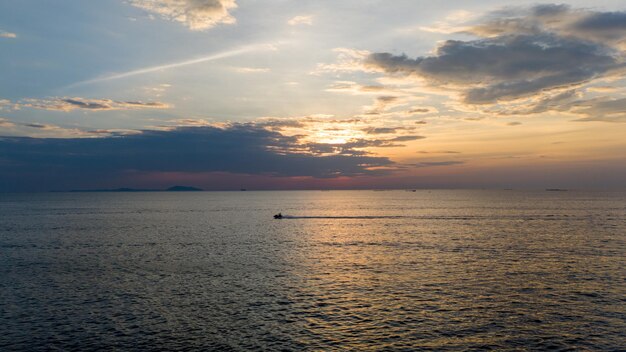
(447, 92)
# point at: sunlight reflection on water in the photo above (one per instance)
(354, 270)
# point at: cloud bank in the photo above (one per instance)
(237, 148)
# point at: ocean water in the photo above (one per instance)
(348, 270)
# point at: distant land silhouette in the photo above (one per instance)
(183, 189)
(125, 189)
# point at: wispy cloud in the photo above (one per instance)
(298, 20)
(6, 123)
(151, 69)
(438, 152)
(69, 104)
(4, 34)
(252, 69)
(438, 163)
(197, 15)
(39, 130)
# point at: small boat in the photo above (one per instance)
(278, 216)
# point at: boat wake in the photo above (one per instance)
(343, 217)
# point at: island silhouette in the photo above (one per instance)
(126, 189)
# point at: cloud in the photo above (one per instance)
(521, 60)
(505, 67)
(6, 123)
(279, 124)
(563, 20)
(450, 24)
(197, 15)
(36, 129)
(384, 103)
(387, 102)
(5, 103)
(386, 130)
(438, 152)
(236, 148)
(600, 109)
(357, 146)
(514, 123)
(159, 68)
(191, 122)
(252, 69)
(348, 60)
(298, 20)
(438, 163)
(407, 138)
(69, 104)
(355, 88)
(4, 34)
(157, 90)
(550, 101)
(604, 108)
(420, 111)
(39, 126)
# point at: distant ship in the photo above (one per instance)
(555, 190)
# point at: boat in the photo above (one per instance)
(278, 216)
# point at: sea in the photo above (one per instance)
(439, 270)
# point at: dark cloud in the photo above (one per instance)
(69, 104)
(86, 104)
(406, 138)
(520, 53)
(603, 22)
(380, 130)
(386, 130)
(419, 111)
(507, 67)
(36, 125)
(549, 10)
(563, 20)
(239, 148)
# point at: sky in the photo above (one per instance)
(299, 94)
